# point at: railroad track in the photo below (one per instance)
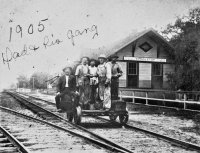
(40, 136)
(128, 132)
(53, 119)
(173, 141)
(9, 144)
(176, 142)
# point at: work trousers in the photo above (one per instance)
(114, 88)
(65, 100)
(58, 99)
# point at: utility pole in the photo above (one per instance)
(47, 81)
(33, 82)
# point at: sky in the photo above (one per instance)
(47, 35)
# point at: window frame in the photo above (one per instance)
(160, 67)
(136, 68)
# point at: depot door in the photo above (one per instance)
(132, 74)
(157, 75)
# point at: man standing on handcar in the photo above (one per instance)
(104, 78)
(93, 83)
(83, 82)
(116, 71)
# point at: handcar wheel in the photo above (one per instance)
(70, 116)
(77, 115)
(112, 117)
(123, 118)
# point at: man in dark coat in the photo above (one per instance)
(66, 89)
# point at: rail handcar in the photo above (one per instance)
(118, 109)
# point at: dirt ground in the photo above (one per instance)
(179, 124)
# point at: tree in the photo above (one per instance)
(13, 86)
(23, 81)
(184, 35)
(38, 80)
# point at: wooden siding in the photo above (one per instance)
(127, 51)
(156, 52)
(144, 75)
(145, 69)
(122, 79)
(152, 53)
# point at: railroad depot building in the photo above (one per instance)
(145, 61)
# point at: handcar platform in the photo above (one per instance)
(118, 109)
(95, 112)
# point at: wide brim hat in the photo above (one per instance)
(102, 56)
(67, 67)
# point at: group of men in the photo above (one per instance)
(94, 86)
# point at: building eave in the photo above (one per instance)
(150, 31)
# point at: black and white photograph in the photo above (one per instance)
(99, 76)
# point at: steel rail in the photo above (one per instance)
(37, 98)
(14, 141)
(105, 141)
(97, 142)
(183, 144)
(176, 142)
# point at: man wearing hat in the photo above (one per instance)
(116, 71)
(93, 82)
(66, 87)
(83, 82)
(104, 78)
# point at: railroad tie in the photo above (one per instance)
(6, 144)
(3, 140)
(9, 150)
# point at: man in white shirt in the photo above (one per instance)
(104, 76)
(83, 82)
(66, 86)
(93, 82)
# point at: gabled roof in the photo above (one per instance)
(133, 37)
(117, 46)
